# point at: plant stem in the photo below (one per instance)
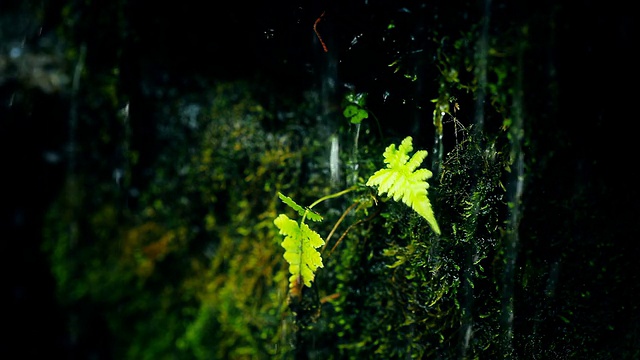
(334, 195)
(344, 214)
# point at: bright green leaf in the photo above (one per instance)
(311, 215)
(300, 244)
(355, 114)
(354, 107)
(402, 181)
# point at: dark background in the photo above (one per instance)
(165, 49)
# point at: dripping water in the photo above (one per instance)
(482, 55)
(436, 160)
(353, 177)
(352, 165)
(334, 161)
(73, 111)
(514, 196)
(328, 127)
(72, 191)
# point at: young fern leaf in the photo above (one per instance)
(402, 181)
(300, 244)
(310, 214)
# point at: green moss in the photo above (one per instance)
(197, 270)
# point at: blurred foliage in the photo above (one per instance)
(200, 257)
(355, 107)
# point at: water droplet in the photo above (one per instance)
(15, 52)
(269, 34)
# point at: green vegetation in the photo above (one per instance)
(182, 257)
(300, 245)
(354, 107)
(399, 180)
(197, 269)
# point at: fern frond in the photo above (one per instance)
(300, 244)
(310, 214)
(402, 181)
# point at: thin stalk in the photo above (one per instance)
(344, 215)
(334, 195)
(349, 229)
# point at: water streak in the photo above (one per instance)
(334, 161)
(355, 165)
(514, 197)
